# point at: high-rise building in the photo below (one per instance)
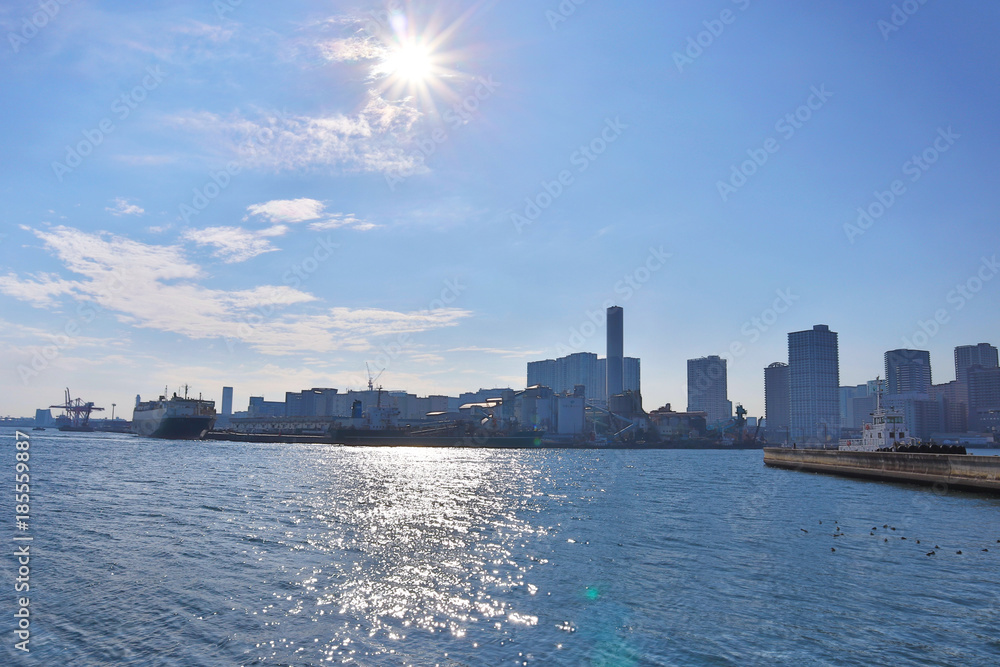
(582, 368)
(616, 351)
(630, 374)
(907, 371)
(227, 408)
(848, 418)
(966, 356)
(776, 405)
(954, 399)
(814, 382)
(708, 390)
(542, 373)
(984, 398)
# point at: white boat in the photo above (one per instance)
(886, 430)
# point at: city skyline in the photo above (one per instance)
(271, 198)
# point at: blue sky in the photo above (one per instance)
(272, 195)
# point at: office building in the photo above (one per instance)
(562, 375)
(616, 351)
(776, 405)
(954, 400)
(848, 416)
(708, 390)
(907, 371)
(814, 386)
(966, 356)
(630, 375)
(226, 412)
(984, 398)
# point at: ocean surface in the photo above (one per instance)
(150, 552)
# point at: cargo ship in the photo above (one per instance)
(176, 419)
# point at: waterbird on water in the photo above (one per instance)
(930, 553)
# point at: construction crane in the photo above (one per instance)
(78, 413)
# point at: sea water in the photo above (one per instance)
(153, 552)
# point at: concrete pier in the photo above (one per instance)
(975, 473)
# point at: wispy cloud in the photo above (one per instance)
(232, 244)
(288, 210)
(512, 354)
(39, 290)
(123, 207)
(339, 220)
(376, 139)
(156, 287)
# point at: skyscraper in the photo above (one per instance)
(708, 390)
(907, 371)
(222, 421)
(814, 385)
(776, 405)
(984, 355)
(630, 374)
(616, 351)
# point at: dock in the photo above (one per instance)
(954, 471)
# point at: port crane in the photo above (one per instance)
(77, 411)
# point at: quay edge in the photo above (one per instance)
(958, 471)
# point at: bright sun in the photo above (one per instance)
(409, 63)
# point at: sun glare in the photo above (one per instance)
(410, 63)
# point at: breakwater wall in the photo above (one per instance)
(978, 473)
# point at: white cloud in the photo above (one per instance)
(288, 210)
(155, 287)
(512, 354)
(123, 207)
(38, 291)
(376, 139)
(338, 220)
(233, 244)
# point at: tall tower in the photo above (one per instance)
(814, 386)
(707, 385)
(984, 355)
(776, 403)
(907, 371)
(227, 407)
(616, 351)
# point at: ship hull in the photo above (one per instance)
(157, 424)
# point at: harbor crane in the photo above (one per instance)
(78, 413)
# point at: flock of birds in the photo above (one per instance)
(874, 531)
